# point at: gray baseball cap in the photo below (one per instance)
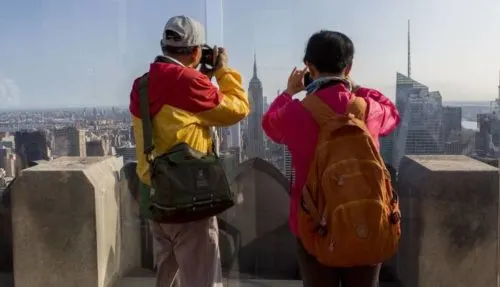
(189, 32)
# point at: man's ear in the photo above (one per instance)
(196, 56)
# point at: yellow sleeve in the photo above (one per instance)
(233, 105)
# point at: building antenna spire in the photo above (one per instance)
(499, 85)
(409, 50)
(497, 101)
(254, 64)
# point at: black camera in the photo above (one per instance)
(207, 57)
(307, 79)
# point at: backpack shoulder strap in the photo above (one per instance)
(147, 129)
(325, 117)
(318, 109)
(357, 107)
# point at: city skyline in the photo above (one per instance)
(69, 147)
(92, 63)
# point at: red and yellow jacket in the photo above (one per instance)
(184, 104)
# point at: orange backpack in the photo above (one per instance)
(349, 213)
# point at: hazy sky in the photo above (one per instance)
(86, 52)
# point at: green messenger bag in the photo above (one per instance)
(186, 185)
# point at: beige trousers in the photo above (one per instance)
(187, 255)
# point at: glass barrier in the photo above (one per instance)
(66, 73)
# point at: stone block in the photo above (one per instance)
(74, 224)
(450, 207)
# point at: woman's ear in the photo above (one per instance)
(312, 70)
(347, 70)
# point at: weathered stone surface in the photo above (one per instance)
(450, 207)
(74, 224)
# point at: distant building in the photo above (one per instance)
(487, 139)
(224, 134)
(255, 134)
(127, 152)
(132, 135)
(453, 147)
(266, 104)
(69, 141)
(4, 153)
(387, 147)
(421, 128)
(452, 120)
(235, 136)
(31, 146)
(97, 148)
(288, 169)
(7, 140)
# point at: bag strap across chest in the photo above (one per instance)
(147, 124)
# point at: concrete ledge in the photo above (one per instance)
(73, 224)
(146, 278)
(150, 282)
(450, 207)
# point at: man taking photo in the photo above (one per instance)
(183, 106)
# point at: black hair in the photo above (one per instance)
(330, 52)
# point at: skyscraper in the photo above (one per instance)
(421, 111)
(288, 170)
(255, 147)
(421, 127)
(235, 133)
(69, 141)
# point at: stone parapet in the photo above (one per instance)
(450, 207)
(74, 224)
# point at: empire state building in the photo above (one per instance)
(255, 144)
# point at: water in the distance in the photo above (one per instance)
(470, 125)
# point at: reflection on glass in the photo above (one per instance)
(65, 78)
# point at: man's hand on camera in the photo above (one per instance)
(205, 70)
(209, 72)
(221, 58)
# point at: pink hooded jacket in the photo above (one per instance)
(288, 122)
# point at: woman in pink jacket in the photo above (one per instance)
(328, 59)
